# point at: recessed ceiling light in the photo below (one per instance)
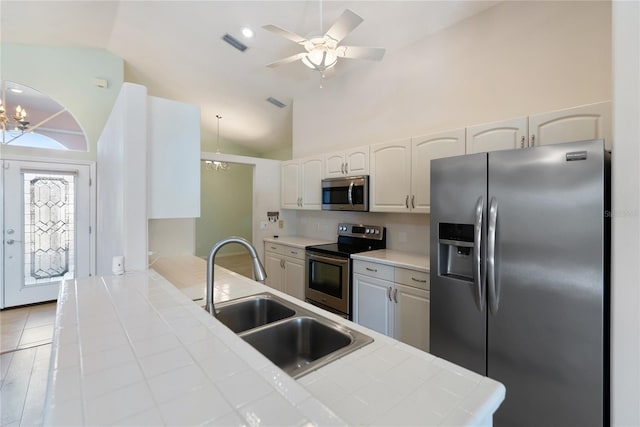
(247, 32)
(15, 90)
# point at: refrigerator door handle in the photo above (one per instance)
(478, 270)
(494, 298)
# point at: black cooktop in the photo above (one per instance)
(352, 239)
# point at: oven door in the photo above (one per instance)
(327, 281)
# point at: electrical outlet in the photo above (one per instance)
(281, 223)
(263, 225)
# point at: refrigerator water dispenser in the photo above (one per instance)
(455, 251)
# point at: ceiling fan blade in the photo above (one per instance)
(357, 52)
(287, 60)
(285, 33)
(346, 23)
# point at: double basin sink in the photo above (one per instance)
(295, 339)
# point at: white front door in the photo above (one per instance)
(47, 219)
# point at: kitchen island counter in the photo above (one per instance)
(134, 350)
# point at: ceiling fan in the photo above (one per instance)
(322, 52)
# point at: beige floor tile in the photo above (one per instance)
(10, 341)
(40, 318)
(37, 335)
(15, 386)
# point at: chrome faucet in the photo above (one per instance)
(258, 269)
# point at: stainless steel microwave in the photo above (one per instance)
(349, 193)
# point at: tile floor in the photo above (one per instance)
(25, 349)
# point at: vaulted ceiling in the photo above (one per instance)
(175, 48)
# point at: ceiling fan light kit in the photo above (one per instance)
(323, 52)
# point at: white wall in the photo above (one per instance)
(122, 183)
(66, 74)
(173, 146)
(514, 59)
(626, 215)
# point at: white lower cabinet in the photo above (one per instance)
(393, 301)
(285, 266)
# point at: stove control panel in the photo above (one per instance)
(374, 232)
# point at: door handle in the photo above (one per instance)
(351, 193)
(533, 140)
(413, 201)
(342, 168)
(346, 168)
(389, 293)
(494, 291)
(478, 271)
(395, 295)
(406, 201)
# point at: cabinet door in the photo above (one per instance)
(290, 185)
(273, 264)
(311, 186)
(411, 316)
(294, 277)
(574, 124)
(497, 136)
(334, 165)
(371, 304)
(357, 161)
(423, 150)
(390, 177)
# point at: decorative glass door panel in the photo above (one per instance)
(49, 232)
(46, 229)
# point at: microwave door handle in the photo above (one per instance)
(351, 193)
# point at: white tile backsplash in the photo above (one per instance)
(405, 232)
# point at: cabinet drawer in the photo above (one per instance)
(372, 269)
(417, 279)
(286, 250)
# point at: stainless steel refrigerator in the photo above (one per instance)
(520, 276)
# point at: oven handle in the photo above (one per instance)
(331, 260)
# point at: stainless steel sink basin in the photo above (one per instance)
(295, 339)
(250, 312)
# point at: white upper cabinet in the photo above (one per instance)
(586, 122)
(390, 183)
(290, 184)
(423, 150)
(496, 136)
(310, 182)
(300, 186)
(581, 123)
(351, 162)
(401, 171)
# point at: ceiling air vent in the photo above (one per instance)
(234, 42)
(275, 102)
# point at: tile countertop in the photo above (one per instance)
(396, 259)
(134, 350)
(297, 241)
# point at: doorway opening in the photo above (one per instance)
(226, 209)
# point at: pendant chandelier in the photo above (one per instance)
(12, 127)
(217, 165)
